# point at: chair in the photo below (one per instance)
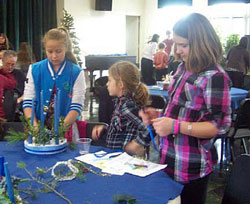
(237, 187)
(157, 101)
(106, 105)
(99, 83)
(102, 139)
(241, 123)
(240, 130)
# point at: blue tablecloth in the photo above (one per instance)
(156, 188)
(237, 95)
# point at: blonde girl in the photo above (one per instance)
(126, 130)
(59, 72)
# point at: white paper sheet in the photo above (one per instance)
(121, 164)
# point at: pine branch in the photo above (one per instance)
(23, 166)
(14, 137)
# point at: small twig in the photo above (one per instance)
(48, 186)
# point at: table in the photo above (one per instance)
(237, 95)
(156, 188)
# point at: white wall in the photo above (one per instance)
(91, 24)
(152, 20)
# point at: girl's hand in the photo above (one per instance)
(162, 126)
(148, 114)
(96, 132)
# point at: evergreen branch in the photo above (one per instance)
(47, 186)
(14, 137)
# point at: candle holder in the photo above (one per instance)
(40, 139)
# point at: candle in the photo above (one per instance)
(32, 112)
(55, 118)
(58, 104)
(57, 113)
(41, 110)
(9, 183)
(32, 119)
(1, 166)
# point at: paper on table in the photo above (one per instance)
(132, 165)
(100, 162)
(121, 164)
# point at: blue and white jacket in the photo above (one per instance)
(69, 79)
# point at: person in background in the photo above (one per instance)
(238, 62)
(126, 130)
(147, 68)
(11, 96)
(160, 62)
(173, 63)
(198, 109)
(1, 57)
(25, 57)
(168, 42)
(7, 82)
(4, 42)
(58, 72)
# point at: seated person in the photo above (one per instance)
(11, 96)
(7, 82)
(126, 130)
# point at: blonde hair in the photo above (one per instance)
(61, 34)
(205, 47)
(129, 74)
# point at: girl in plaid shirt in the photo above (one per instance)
(198, 108)
(126, 130)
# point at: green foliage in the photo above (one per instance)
(40, 171)
(124, 199)
(21, 165)
(4, 198)
(72, 145)
(14, 136)
(68, 23)
(231, 41)
(40, 136)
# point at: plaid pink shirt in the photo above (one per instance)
(195, 97)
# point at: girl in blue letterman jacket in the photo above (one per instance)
(58, 72)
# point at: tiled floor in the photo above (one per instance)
(217, 181)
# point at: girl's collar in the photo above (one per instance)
(59, 71)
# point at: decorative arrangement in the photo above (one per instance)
(61, 171)
(41, 140)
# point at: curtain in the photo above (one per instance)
(27, 21)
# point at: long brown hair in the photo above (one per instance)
(61, 34)
(25, 55)
(4, 46)
(129, 74)
(205, 47)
